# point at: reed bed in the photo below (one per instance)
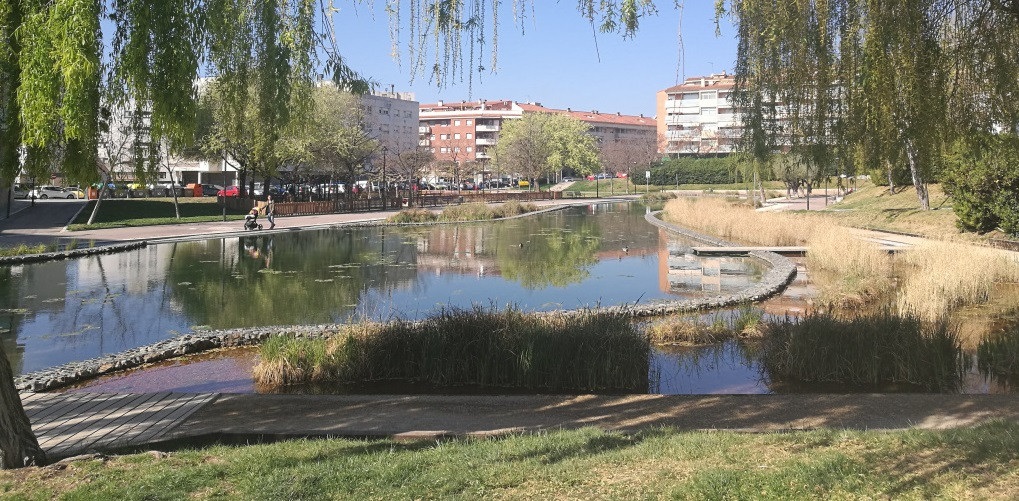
(478, 346)
(944, 275)
(858, 269)
(875, 349)
(476, 211)
(744, 323)
(998, 353)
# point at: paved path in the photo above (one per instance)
(75, 423)
(47, 227)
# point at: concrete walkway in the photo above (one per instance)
(47, 227)
(77, 423)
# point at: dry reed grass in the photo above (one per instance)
(859, 270)
(941, 276)
(744, 324)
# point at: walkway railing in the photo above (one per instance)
(364, 203)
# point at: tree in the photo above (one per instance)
(408, 164)
(339, 144)
(542, 143)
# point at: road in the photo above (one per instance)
(39, 224)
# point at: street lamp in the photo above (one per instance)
(385, 186)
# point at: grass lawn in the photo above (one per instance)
(605, 187)
(874, 207)
(970, 463)
(115, 213)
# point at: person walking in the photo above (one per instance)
(270, 207)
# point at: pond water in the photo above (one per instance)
(57, 312)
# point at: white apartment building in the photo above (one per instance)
(391, 118)
(697, 117)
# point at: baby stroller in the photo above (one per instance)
(251, 220)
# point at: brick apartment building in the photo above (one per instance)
(468, 131)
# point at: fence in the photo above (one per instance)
(400, 200)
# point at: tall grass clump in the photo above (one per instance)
(512, 208)
(486, 347)
(854, 270)
(413, 216)
(874, 349)
(738, 222)
(23, 249)
(998, 353)
(743, 323)
(941, 276)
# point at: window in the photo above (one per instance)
(433, 150)
(708, 95)
(444, 136)
(469, 149)
(456, 123)
(456, 136)
(469, 135)
(443, 150)
(468, 122)
(432, 137)
(458, 149)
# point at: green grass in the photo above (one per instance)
(117, 213)
(507, 348)
(978, 463)
(998, 353)
(881, 348)
(23, 249)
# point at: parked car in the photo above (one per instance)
(229, 191)
(210, 190)
(76, 191)
(523, 183)
(19, 191)
(45, 192)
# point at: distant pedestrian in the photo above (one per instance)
(270, 208)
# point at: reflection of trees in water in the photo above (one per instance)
(544, 252)
(10, 320)
(309, 277)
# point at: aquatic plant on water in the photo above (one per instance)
(477, 346)
(998, 353)
(866, 350)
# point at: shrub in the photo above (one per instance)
(507, 348)
(413, 216)
(693, 171)
(867, 350)
(982, 177)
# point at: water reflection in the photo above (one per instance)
(63, 311)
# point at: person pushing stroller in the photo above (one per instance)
(251, 220)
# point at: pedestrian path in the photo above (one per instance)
(68, 424)
(74, 423)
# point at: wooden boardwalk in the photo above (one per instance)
(69, 424)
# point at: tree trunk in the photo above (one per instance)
(891, 182)
(95, 210)
(173, 188)
(18, 444)
(240, 185)
(914, 171)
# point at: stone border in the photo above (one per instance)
(73, 253)
(781, 274)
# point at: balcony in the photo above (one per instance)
(424, 129)
(424, 142)
(482, 154)
(487, 128)
(485, 141)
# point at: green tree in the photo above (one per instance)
(339, 142)
(543, 143)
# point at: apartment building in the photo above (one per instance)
(392, 118)
(468, 131)
(697, 117)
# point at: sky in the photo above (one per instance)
(555, 61)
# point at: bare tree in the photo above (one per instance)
(18, 445)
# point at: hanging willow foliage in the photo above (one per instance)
(892, 80)
(10, 79)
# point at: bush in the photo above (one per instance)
(693, 171)
(413, 216)
(867, 350)
(982, 177)
(507, 348)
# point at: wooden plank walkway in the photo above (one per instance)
(69, 424)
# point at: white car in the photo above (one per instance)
(45, 192)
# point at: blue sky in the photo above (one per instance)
(556, 61)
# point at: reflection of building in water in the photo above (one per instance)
(456, 249)
(681, 270)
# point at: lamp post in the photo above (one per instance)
(385, 185)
